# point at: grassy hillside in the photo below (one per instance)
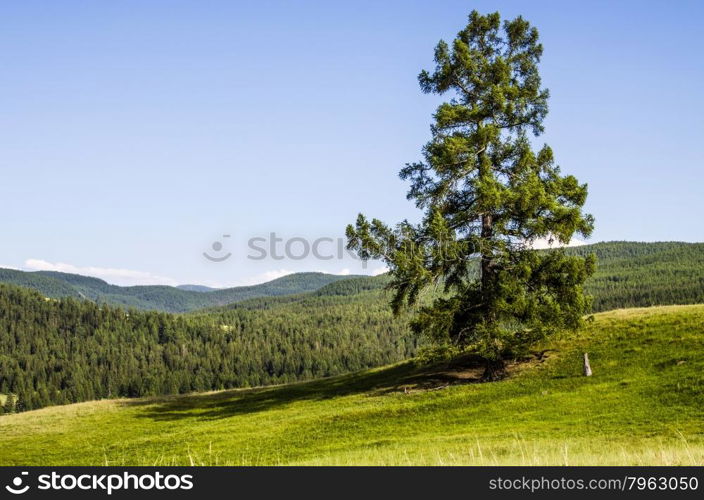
(161, 298)
(644, 405)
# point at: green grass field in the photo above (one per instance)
(643, 406)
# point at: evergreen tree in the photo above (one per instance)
(66, 350)
(9, 405)
(486, 196)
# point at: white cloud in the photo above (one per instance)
(544, 243)
(344, 272)
(379, 270)
(123, 277)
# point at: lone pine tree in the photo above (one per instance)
(486, 196)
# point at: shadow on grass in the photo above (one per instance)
(404, 377)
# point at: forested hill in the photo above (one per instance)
(628, 275)
(161, 298)
(645, 274)
(56, 351)
(68, 350)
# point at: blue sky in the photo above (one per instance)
(135, 134)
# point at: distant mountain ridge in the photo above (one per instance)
(58, 351)
(629, 274)
(197, 288)
(160, 297)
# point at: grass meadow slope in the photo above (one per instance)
(643, 406)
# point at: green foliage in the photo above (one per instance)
(644, 274)
(486, 193)
(56, 351)
(60, 351)
(47, 285)
(161, 298)
(10, 404)
(643, 406)
(628, 274)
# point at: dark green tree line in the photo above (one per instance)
(67, 350)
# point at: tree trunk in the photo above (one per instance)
(487, 233)
(494, 369)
